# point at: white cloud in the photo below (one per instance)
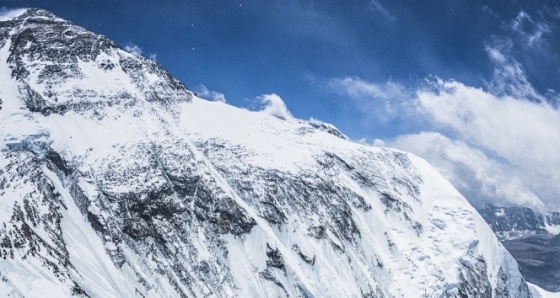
(476, 175)
(505, 149)
(275, 106)
(203, 92)
(384, 101)
(7, 14)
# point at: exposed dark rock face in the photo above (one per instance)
(328, 128)
(46, 57)
(33, 231)
(476, 270)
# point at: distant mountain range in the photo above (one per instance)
(532, 238)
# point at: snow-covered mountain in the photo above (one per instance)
(514, 222)
(117, 181)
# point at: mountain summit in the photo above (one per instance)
(117, 181)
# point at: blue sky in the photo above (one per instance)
(377, 69)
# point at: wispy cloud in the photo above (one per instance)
(488, 10)
(303, 18)
(383, 100)
(376, 5)
(205, 93)
(358, 88)
(508, 77)
(531, 31)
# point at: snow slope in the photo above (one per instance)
(116, 181)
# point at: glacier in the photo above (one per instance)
(118, 181)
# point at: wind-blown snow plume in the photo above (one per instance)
(138, 51)
(275, 106)
(133, 49)
(205, 93)
(8, 14)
